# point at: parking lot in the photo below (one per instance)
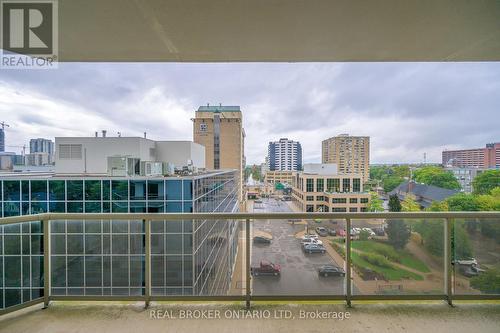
(299, 274)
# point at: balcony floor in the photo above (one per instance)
(365, 317)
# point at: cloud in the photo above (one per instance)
(407, 109)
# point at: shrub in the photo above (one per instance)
(487, 282)
(339, 248)
(376, 259)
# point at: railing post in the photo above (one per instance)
(247, 263)
(448, 268)
(348, 262)
(147, 259)
(46, 263)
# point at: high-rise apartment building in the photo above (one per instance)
(220, 130)
(488, 157)
(2, 139)
(350, 153)
(41, 145)
(285, 155)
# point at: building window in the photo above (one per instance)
(339, 210)
(356, 185)
(353, 210)
(346, 185)
(353, 200)
(333, 185)
(320, 198)
(309, 208)
(309, 185)
(320, 185)
(364, 200)
(310, 198)
(339, 200)
(363, 209)
(203, 127)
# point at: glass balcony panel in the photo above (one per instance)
(476, 259)
(397, 256)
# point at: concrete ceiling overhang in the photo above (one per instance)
(279, 30)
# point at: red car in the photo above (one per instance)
(341, 233)
(266, 268)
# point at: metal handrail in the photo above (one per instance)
(447, 217)
(251, 216)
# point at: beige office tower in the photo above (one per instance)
(220, 130)
(350, 153)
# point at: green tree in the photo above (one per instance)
(486, 181)
(436, 176)
(391, 182)
(394, 203)
(438, 206)
(402, 171)
(462, 202)
(409, 204)
(398, 233)
(375, 203)
(487, 282)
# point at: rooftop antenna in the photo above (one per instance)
(119, 134)
(144, 135)
(4, 124)
(425, 158)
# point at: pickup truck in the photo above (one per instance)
(266, 268)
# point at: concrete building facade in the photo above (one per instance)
(350, 153)
(465, 177)
(220, 130)
(276, 176)
(98, 155)
(323, 192)
(285, 155)
(485, 158)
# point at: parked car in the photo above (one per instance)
(341, 233)
(309, 236)
(379, 231)
(258, 201)
(311, 241)
(466, 261)
(314, 248)
(330, 270)
(470, 270)
(266, 268)
(369, 231)
(262, 240)
(322, 231)
(355, 231)
(332, 232)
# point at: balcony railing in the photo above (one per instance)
(172, 257)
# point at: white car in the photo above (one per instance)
(467, 261)
(313, 236)
(308, 241)
(369, 231)
(355, 231)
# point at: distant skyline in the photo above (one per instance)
(407, 109)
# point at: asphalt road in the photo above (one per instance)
(299, 274)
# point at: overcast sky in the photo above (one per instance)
(406, 108)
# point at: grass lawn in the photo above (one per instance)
(403, 257)
(390, 273)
